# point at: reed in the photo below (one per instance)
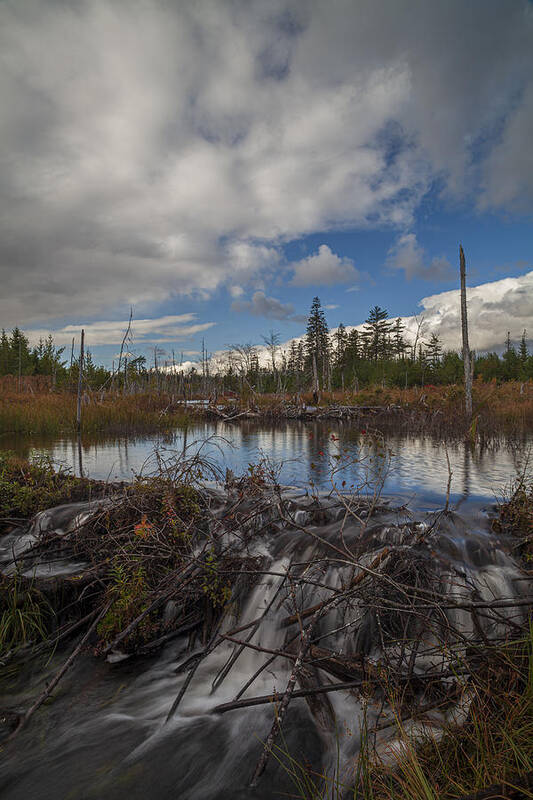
(494, 746)
(24, 615)
(55, 413)
(497, 409)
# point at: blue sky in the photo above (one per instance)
(216, 165)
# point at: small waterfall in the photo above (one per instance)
(110, 735)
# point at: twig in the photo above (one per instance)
(289, 691)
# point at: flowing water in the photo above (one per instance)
(104, 734)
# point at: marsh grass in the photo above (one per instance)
(51, 413)
(25, 614)
(494, 745)
(515, 513)
(498, 409)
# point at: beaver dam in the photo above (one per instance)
(193, 635)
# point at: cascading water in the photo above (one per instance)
(105, 733)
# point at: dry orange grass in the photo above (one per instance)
(498, 408)
(506, 408)
(55, 412)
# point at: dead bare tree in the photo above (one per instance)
(272, 343)
(80, 382)
(126, 335)
(464, 330)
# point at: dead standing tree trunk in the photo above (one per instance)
(464, 328)
(316, 385)
(80, 382)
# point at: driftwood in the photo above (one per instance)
(266, 699)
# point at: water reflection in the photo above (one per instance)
(417, 466)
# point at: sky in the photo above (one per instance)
(215, 165)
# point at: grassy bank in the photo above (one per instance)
(27, 487)
(498, 409)
(487, 757)
(55, 413)
(506, 407)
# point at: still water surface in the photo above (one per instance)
(414, 467)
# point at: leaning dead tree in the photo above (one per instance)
(464, 329)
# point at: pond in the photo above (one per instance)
(412, 466)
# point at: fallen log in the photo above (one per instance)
(276, 697)
(332, 687)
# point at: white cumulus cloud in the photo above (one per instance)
(170, 328)
(324, 268)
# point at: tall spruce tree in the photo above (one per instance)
(341, 338)
(317, 343)
(398, 342)
(377, 333)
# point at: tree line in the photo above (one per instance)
(378, 352)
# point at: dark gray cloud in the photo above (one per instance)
(262, 306)
(152, 149)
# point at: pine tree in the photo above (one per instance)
(340, 338)
(19, 354)
(399, 343)
(292, 364)
(434, 351)
(377, 331)
(4, 353)
(353, 346)
(317, 343)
